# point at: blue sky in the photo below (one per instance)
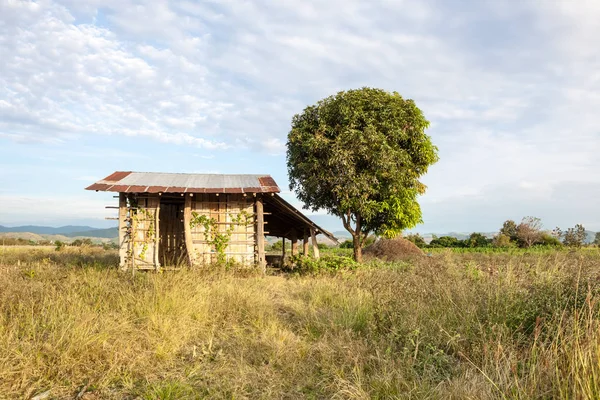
(87, 87)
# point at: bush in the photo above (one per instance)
(347, 244)
(549, 240)
(309, 265)
(417, 240)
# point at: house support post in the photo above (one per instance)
(156, 234)
(187, 230)
(305, 243)
(294, 242)
(314, 243)
(124, 241)
(260, 235)
(282, 250)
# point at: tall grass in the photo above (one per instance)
(449, 326)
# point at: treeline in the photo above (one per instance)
(529, 232)
(24, 242)
(57, 243)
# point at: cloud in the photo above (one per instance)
(17, 209)
(511, 90)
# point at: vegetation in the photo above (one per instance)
(573, 237)
(527, 234)
(359, 155)
(214, 235)
(450, 326)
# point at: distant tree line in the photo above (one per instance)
(529, 232)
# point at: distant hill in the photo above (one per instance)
(109, 233)
(47, 230)
(63, 233)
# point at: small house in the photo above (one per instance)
(173, 219)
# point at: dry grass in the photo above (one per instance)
(443, 327)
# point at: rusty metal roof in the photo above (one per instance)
(158, 182)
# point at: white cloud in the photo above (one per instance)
(511, 89)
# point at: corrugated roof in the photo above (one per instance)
(155, 182)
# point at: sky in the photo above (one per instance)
(511, 88)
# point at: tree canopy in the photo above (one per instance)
(359, 155)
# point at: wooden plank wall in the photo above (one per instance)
(146, 259)
(223, 208)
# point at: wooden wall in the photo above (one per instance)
(223, 208)
(145, 229)
(154, 228)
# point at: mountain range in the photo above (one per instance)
(70, 231)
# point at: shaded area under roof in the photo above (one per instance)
(159, 182)
(282, 217)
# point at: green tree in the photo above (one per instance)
(575, 237)
(502, 240)
(597, 239)
(417, 240)
(446, 241)
(359, 155)
(477, 240)
(509, 228)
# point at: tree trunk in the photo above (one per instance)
(357, 235)
(357, 248)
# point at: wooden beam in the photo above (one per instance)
(123, 244)
(187, 230)
(305, 244)
(156, 234)
(260, 235)
(314, 243)
(294, 242)
(283, 248)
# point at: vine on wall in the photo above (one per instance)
(136, 216)
(216, 237)
(145, 215)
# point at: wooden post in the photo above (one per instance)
(123, 242)
(260, 235)
(282, 249)
(294, 242)
(187, 230)
(156, 234)
(305, 244)
(314, 243)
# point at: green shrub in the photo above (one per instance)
(309, 265)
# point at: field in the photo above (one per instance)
(447, 326)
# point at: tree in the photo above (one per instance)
(502, 240)
(509, 228)
(417, 240)
(446, 241)
(597, 239)
(477, 240)
(529, 231)
(575, 237)
(359, 155)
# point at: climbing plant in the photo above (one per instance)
(139, 215)
(144, 215)
(216, 237)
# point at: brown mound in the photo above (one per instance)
(397, 249)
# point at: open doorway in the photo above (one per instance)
(171, 249)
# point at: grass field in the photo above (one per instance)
(448, 326)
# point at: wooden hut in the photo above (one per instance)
(168, 219)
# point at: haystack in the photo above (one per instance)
(396, 249)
